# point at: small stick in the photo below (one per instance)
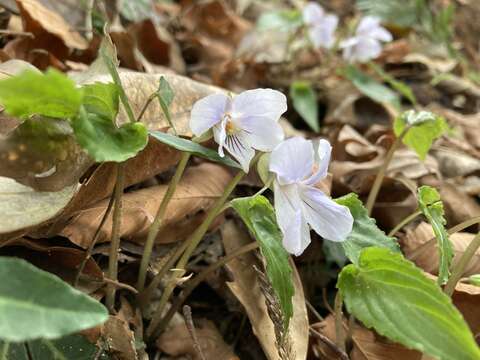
(342, 354)
(16, 33)
(340, 335)
(187, 313)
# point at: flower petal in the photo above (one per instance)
(365, 50)
(366, 25)
(263, 133)
(292, 160)
(328, 219)
(322, 160)
(208, 112)
(239, 147)
(296, 235)
(313, 13)
(219, 135)
(381, 34)
(265, 103)
(323, 34)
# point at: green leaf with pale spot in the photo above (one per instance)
(474, 279)
(36, 304)
(104, 141)
(390, 294)
(431, 205)
(305, 103)
(51, 94)
(425, 127)
(365, 232)
(101, 99)
(259, 216)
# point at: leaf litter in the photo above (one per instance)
(53, 195)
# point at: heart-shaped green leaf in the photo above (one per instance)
(101, 99)
(51, 94)
(104, 141)
(425, 127)
(259, 216)
(389, 293)
(37, 304)
(194, 148)
(431, 206)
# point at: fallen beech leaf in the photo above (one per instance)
(178, 341)
(49, 28)
(247, 290)
(199, 188)
(22, 207)
(419, 248)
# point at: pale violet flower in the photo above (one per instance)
(366, 44)
(299, 205)
(321, 26)
(242, 124)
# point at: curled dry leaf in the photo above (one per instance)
(420, 247)
(119, 338)
(246, 289)
(21, 207)
(197, 191)
(178, 341)
(50, 29)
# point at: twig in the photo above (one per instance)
(342, 354)
(192, 284)
(17, 33)
(88, 20)
(115, 242)
(120, 285)
(377, 184)
(187, 313)
(88, 253)
(313, 311)
(459, 268)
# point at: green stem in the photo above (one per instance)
(147, 103)
(115, 242)
(377, 184)
(192, 284)
(157, 222)
(404, 222)
(339, 333)
(88, 253)
(459, 267)
(191, 244)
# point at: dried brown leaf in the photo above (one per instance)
(196, 192)
(247, 290)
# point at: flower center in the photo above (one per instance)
(230, 127)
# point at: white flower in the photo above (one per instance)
(321, 26)
(298, 203)
(247, 122)
(366, 44)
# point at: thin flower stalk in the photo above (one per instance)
(115, 242)
(192, 242)
(157, 222)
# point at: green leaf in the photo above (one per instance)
(37, 304)
(104, 141)
(51, 94)
(425, 127)
(365, 232)
(194, 148)
(101, 99)
(370, 87)
(397, 85)
(281, 20)
(72, 347)
(388, 293)
(431, 206)
(305, 103)
(165, 96)
(13, 351)
(259, 216)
